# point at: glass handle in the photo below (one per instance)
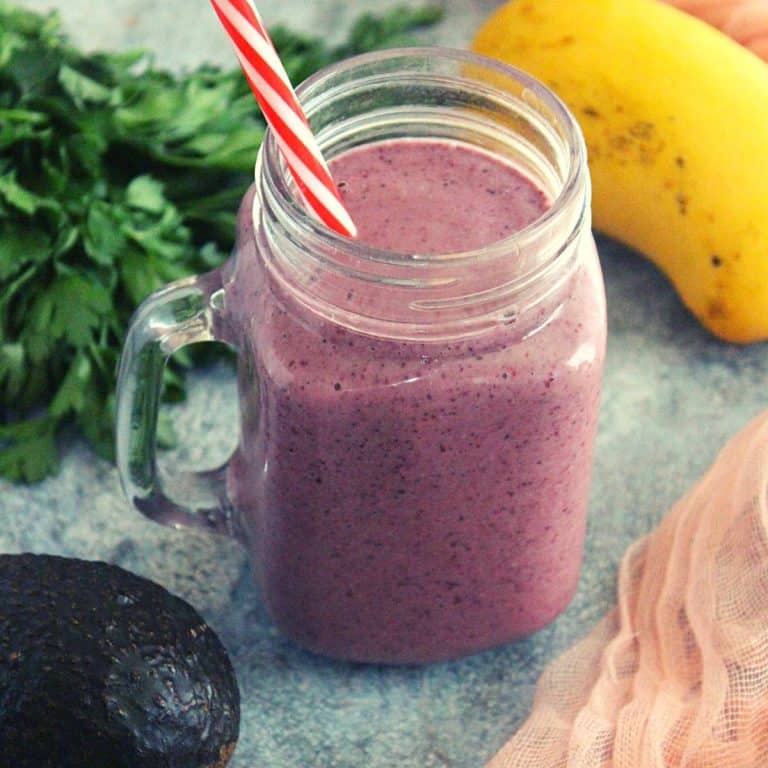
(185, 312)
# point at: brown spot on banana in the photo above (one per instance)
(716, 310)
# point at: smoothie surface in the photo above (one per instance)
(433, 196)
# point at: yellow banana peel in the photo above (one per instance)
(675, 117)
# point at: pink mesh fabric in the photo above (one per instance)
(676, 676)
(746, 21)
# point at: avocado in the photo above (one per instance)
(100, 668)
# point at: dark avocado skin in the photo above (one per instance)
(100, 668)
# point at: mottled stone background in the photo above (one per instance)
(672, 396)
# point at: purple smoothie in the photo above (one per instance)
(416, 501)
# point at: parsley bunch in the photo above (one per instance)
(115, 178)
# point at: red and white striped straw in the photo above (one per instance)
(270, 84)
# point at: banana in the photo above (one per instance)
(675, 117)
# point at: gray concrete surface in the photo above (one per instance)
(672, 396)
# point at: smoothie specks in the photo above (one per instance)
(404, 482)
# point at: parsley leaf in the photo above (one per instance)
(115, 178)
(29, 451)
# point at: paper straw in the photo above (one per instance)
(270, 84)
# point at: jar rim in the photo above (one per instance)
(309, 91)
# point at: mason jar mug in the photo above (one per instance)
(417, 426)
